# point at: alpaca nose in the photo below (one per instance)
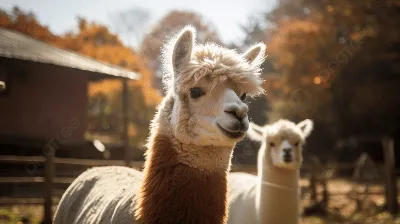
(287, 150)
(237, 111)
(287, 155)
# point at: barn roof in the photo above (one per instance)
(19, 46)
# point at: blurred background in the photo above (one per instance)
(80, 82)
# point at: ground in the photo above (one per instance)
(342, 208)
(382, 218)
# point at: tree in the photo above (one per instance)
(26, 23)
(131, 24)
(152, 43)
(337, 61)
(254, 31)
(309, 36)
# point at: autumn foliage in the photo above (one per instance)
(26, 23)
(311, 43)
(97, 42)
(166, 27)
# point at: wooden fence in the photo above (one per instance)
(319, 179)
(49, 179)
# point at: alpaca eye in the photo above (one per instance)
(196, 92)
(271, 144)
(243, 96)
(296, 144)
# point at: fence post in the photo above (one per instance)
(125, 121)
(325, 192)
(390, 175)
(313, 188)
(48, 186)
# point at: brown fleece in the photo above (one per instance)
(174, 193)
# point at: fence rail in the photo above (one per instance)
(25, 201)
(50, 176)
(18, 180)
(22, 159)
(67, 161)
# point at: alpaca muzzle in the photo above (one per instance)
(231, 134)
(287, 155)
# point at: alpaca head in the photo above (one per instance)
(209, 85)
(283, 142)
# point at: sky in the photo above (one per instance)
(61, 15)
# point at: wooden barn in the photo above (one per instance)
(43, 95)
(43, 114)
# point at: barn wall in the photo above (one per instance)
(44, 101)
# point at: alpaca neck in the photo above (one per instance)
(207, 159)
(278, 198)
(182, 183)
(175, 192)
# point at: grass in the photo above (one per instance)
(14, 214)
(8, 217)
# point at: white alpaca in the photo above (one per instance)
(189, 149)
(272, 197)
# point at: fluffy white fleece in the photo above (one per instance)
(94, 198)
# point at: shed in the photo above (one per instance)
(44, 93)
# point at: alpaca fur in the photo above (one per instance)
(219, 64)
(189, 148)
(272, 197)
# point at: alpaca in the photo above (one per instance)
(192, 135)
(272, 197)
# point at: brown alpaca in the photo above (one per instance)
(189, 149)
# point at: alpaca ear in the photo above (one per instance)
(256, 132)
(306, 127)
(182, 51)
(255, 52)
